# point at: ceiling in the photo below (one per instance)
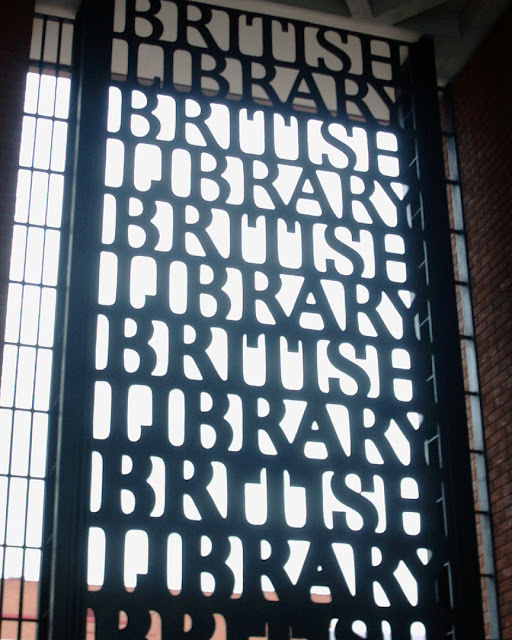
(457, 26)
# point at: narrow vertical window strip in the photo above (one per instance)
(471, 375)
(30, 322)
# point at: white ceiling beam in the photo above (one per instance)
(360, 9)
(440, 21)
(392, 12)
(60, 8)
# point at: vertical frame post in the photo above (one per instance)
(461, 529)
(69, 579)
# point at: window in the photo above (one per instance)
(30, 322)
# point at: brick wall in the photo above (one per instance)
(482, 96)
(15, 31)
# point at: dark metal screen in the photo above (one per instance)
(261, 379)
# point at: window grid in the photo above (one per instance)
(29, 334)
(470, 360)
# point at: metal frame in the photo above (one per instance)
(465, 586)
(68, 571)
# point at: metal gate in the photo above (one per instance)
(262, 428)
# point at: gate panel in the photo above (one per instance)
(259, 342)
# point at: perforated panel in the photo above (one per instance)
(258, 391)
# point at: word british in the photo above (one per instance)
(275, 60)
